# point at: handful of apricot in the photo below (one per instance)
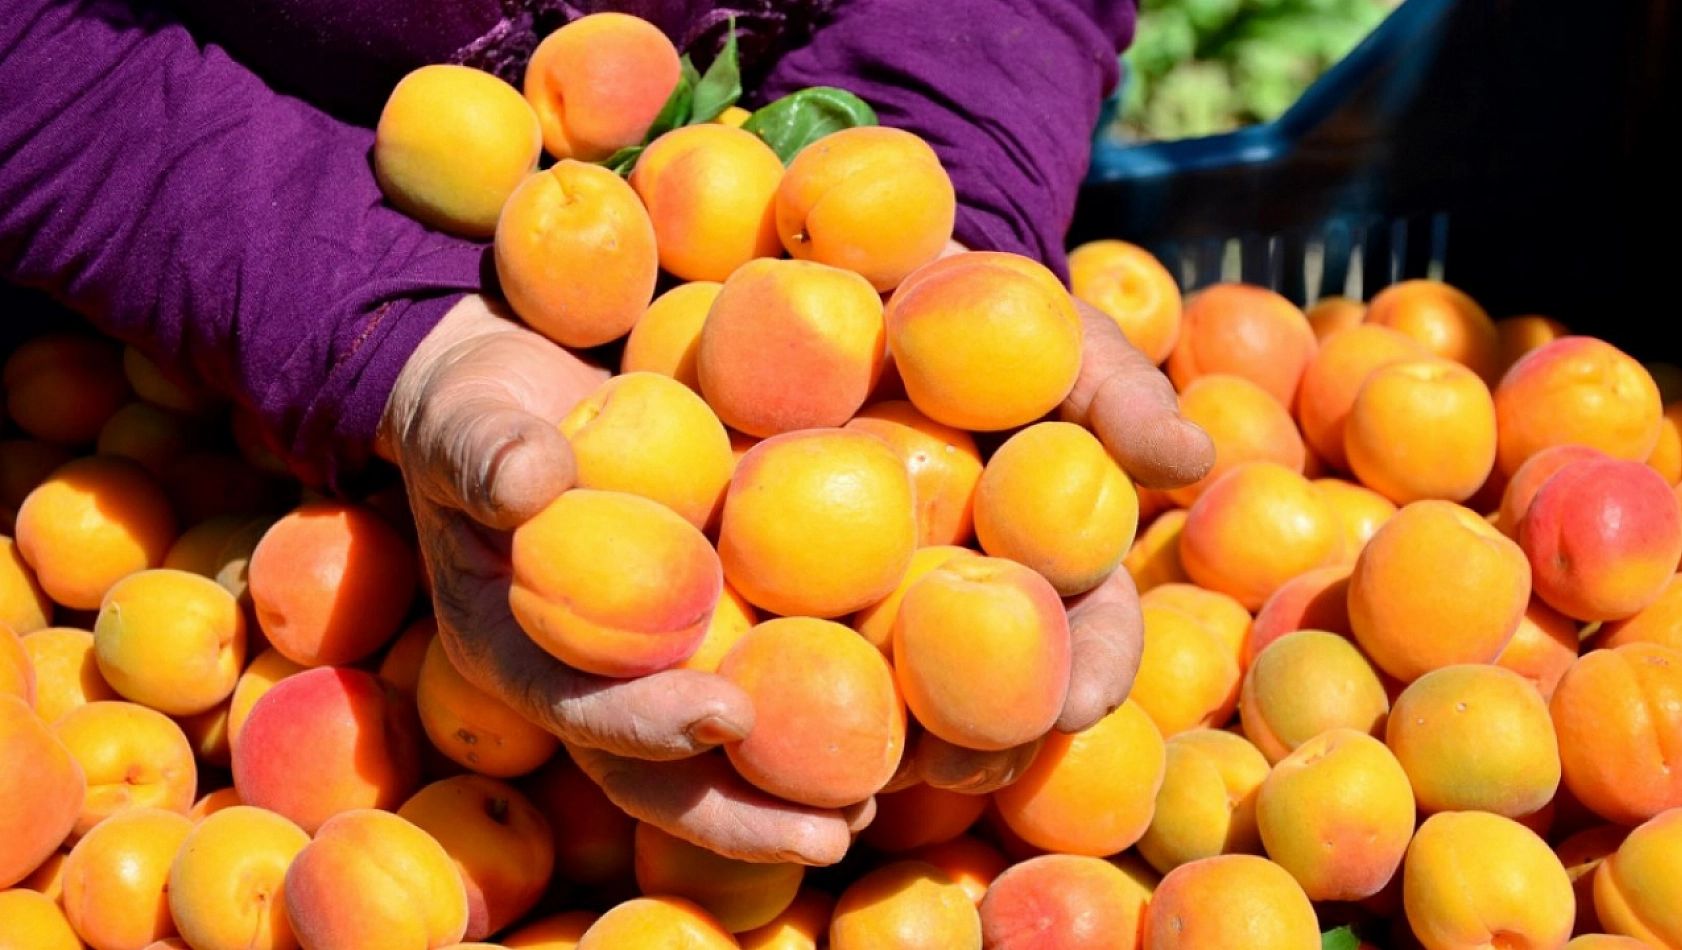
(1412, 653)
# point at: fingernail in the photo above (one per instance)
(714, 730)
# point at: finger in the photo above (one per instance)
(859, 816)
(972, 771)
(666, 715)
(1132, 408)
(1107, 637)
(482, 453)
(705, 802)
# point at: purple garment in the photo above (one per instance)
(200, 187)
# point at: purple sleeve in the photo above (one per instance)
(163, 191)
(1007, 92)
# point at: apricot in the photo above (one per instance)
(984, 341)
(474, 728)
(790, 345)
(732, 618)
(266, 669)
(43, 786)
(1475, 736)
(1520, 490)
(1187, 677)
(1618, 715)
(1476, 879)
(873, 199)
(1052, 498)
(710, 191)
(1306, 683)
(649, 435)
(1437, 585)
(1542, 648)
(1062, 902)
(372, 879)
(921, 814)
(33, 921)
(1597, 941)
(944, 464)
(1445, 319)
(116, 879)
(666, 338)
(598, 83)
(452, 142)
(1603, 537)
(1638, 888)
(803, 925)
(1658, 622)
(981, 650)
(1226, 901)
(170, 640)
(24, 464)
(1091, 792)
(818, 523)
(326, 741)
(740, 895)
(1521, 334)
(1360, 511)
(657, 923)
(1333, 378)
(196, 550)
(1154, 559)
(17, 670)
(1421, 429)
(133, 757)
(62, 387)
(876, 622)
(94, 521)
(560, 931)
(972, 863)
(66, 673)
(212, 802)
(156, 438)
(1247, 331)
(1246, 424)
(1577, 389)
(1132, 288)
(1207, 803)
(1221, 614)
(498, 839)
(401, 661)
(226, 883)
(1331, 315)
(593, 839)
(1257, 527)
(904, 904)
(1313, 600)
(829, 722)
(575, 254)
(331, 582)
(613, 583)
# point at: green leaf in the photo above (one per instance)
(722, 85)
(679, 105)
(622, 161)
(801, 118)
(1340, 938)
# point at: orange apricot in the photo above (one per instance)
(1313, 600)
(921, 814)
(1543, 647)
(710, 191)
(740, 895)
(1638, 890)
(1658, 622)
(819, 522)
(1476, 879)
(1521, 334)
(1437, 585)
(575, 254)
(1421, 429)
(1154, 558)
(732, 618)
(30, 920)
(790, 345)
(1228, 901)
(1221, 614)
(985, 341)
(598, 83)
(226, 883)
(1187, 678)
(1520, 490)
(874, 200)
(613, 583)
(829, 722)
(1333, 379)
(560, 931)
(666, 337)
(1360, 512)
(43, 786)
(66, 671)
(265, 669)
(905, 904)
(1062, 902)
(1244, 330)
(944, 464)
(476, 729)
(971, 863)
(1618, 715)
(170, 640)
(593, 839)
(656, 923)
(1445, 319)
(1334, 314)
(1207, 803)
(1306, 683)
(133, 757)
(62, 387)
(1577, 389)
(1133, 288)
(116, 878)
(1246, 423)
(94, 521)
(1257, 527)
(803, 925)
(498, 839)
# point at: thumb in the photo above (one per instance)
(487, 456)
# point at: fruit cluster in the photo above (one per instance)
(1412, 651)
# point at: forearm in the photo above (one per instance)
(1006, 91)
(161, 190)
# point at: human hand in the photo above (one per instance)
(472, 424)
(1131, 406)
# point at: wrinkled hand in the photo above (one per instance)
(1130, 405)
(472, 425)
